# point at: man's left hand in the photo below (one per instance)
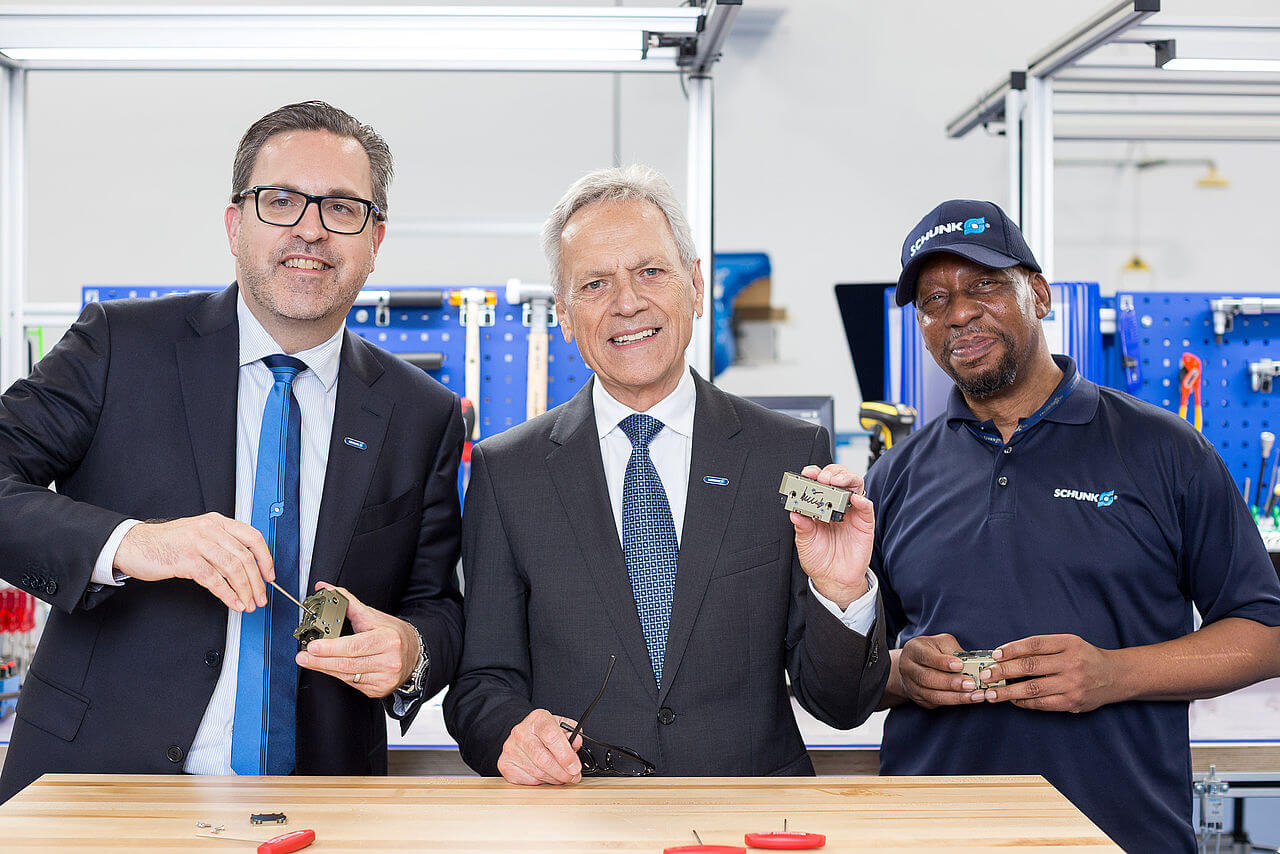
(382, 653)
(1060, 673)
(835, 555)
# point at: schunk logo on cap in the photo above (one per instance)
(976, 225)
(1101, 499)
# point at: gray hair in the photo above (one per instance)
(618, 184)
(314, 115)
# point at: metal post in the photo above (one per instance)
(1038, 171)
(1013, 136)
(701, 197)
(13, 238)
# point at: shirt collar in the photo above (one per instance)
(675, 411)
(1077, 408)
(256, 342)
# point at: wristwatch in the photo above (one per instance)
(414, 683)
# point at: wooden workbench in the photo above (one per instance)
(70, 812)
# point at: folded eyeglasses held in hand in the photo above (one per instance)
(600, 759)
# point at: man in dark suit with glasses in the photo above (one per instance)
(216, 456)
(642, 519)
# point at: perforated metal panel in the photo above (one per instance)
(504, 347)
(1171, 323)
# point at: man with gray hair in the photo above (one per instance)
(640, 521)
(207, 445)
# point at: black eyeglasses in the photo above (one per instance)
(600, 759)
(284, 207)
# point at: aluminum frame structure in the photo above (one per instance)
(1115, 79)
(685, 40)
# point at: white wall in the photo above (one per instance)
(830, 146)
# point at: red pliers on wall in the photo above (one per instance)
(1190, 378)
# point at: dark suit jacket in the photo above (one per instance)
(548, 600)
(133, 415)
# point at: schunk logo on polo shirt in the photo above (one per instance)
(1102, 499)
(976, 225)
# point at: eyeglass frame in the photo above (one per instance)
(597, 768)
(605, 767)
(372, 208)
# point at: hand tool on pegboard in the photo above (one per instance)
(476, 306)
(1266, 441)
(1127, 325)
(537, 306)
(1190, 378)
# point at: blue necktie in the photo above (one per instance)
(648, 539)
(262, 737)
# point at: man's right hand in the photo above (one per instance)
(538, 751)
(930, 673)
(227, 557)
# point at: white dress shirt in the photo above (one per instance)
(672, 453)
(316, 390)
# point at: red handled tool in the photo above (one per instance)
(788, 841)
(704, 849)
(294, 840)
(1190, 377)
(785, 841)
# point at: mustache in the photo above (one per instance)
(301, 247)
(956, 335)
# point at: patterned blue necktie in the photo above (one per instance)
(648, 538)
(262, 736)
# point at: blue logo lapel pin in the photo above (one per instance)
(355, 443)
(716, 481)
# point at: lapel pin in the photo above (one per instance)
(716, 481)
(355, 443)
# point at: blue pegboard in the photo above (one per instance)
(504, 347)
(1175, 322)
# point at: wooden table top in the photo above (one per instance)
(75, 812)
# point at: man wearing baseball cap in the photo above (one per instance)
(1069, 528)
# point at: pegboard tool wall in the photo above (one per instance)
(504, 347)
(1173, 322)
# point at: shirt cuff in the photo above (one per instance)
(402, 703)
(103, 573)
(860, 616)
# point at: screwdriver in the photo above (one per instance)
(294, 840)
(291, 599)
(1267, 440)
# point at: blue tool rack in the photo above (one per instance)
(504, 347)
(1173, 322)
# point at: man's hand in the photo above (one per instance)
(376, 660)
(1061, 673)
(538, 751)
(228, 558)
(835, 555)
(930, 673)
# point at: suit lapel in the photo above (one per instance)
(363, 415)
(209, 373)
(577, 471)
(718, 451)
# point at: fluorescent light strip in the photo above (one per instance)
(1189, 63)
(313, 54)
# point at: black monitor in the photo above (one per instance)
(862, 311)
(820, 410)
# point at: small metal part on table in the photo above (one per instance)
(975, 661)
(813, 499)
(267, 818)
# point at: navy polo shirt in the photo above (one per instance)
(1107, 519)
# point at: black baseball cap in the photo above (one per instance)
(979, 231)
